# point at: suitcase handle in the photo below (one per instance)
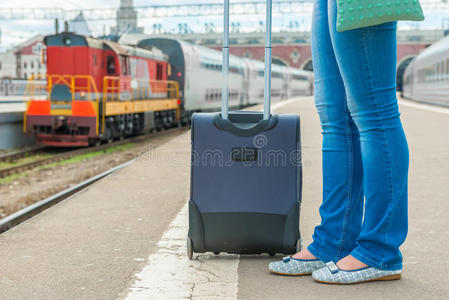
(225, 69)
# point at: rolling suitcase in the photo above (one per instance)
(246, 174)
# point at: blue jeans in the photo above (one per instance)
(365, 152)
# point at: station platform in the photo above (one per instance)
(11, 126)
(124, 237)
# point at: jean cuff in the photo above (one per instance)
(360, 254)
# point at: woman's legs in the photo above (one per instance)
(367, 62)
(342, 208)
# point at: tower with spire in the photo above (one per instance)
(126, 19)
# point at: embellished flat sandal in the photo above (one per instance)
(331, 274)
(295, 267)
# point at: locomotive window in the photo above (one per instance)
(110, 65)
(159, 71)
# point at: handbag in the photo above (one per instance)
(352, 14)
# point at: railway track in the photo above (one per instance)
(34, 209)
(21, 154)
(66, 155)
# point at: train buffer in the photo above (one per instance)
(124, 237)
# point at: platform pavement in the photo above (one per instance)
(12, 108)
(124, 237)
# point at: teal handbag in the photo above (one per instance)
(353, 14)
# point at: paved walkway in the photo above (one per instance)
(124, 237)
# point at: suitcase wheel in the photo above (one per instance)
(216, 253)
(189, 249)
(298, 245)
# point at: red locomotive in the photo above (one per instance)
(100, 90)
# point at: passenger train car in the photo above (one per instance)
(100, 90)
(426, 79)
(198, 70)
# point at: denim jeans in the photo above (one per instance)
(365, 152)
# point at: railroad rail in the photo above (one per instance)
(34, 209)
(66, 155)
(20, 154)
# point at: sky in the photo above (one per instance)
(16, 31)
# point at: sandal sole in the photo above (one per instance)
(293, 275)
(385, 278)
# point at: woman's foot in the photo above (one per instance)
(350, 263)
(349, 270)
(302, 263)
(304, 254)
(331, 274)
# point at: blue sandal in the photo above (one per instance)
(295, 267)
(333, 275)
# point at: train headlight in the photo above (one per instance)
(67, 41)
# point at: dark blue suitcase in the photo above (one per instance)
(246, 177)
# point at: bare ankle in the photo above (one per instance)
(350, 263)
(304, 254)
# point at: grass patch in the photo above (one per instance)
(12, 177)
(82, 157)
(74, 159)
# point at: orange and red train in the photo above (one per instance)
(100, 90)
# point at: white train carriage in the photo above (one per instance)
(299, 83)
(426, 79)
(198, 70)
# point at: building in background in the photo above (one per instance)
(23, 60)
(126, 19)
(79, 25)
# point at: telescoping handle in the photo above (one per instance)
(225, 69)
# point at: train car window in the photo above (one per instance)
(277, 75)
(110, 65)
(299, 77)
(124, 65)
(159, 71)
(24, 64)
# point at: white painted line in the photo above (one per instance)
(422, 106)
(170, 274)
